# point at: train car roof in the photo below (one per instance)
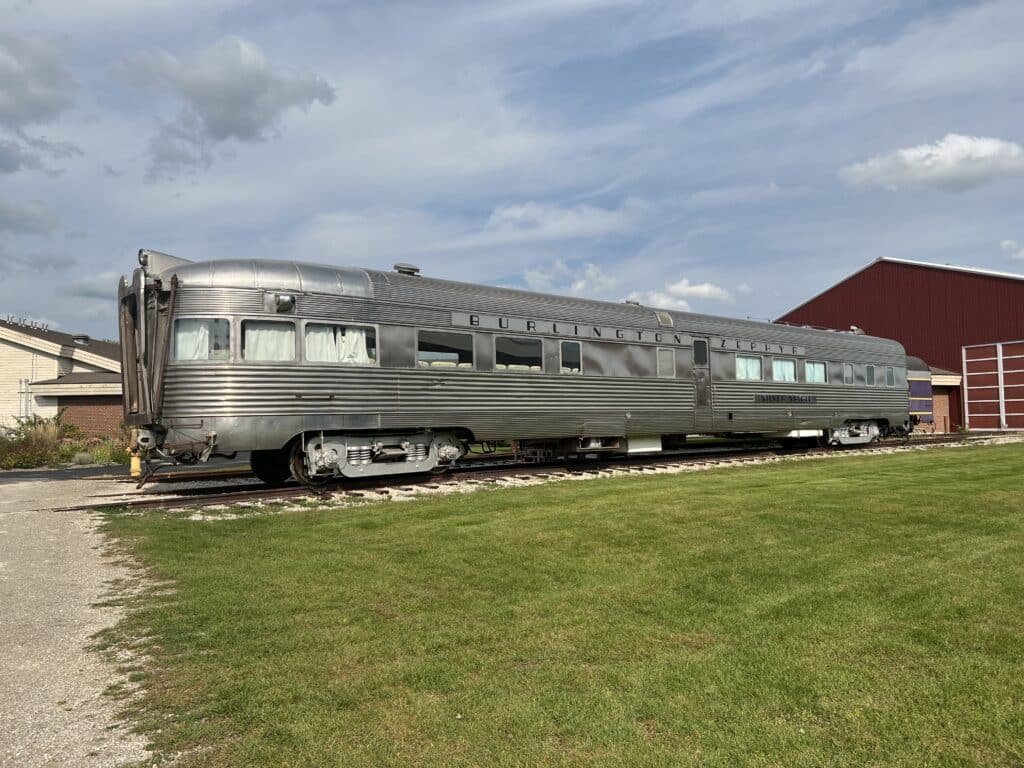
(302, 277)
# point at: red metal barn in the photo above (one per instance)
(934, 310)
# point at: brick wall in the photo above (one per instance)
(95, 415)
(940, 408)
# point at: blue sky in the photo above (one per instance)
(732, 157)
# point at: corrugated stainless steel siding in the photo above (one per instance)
(208, 288)
(732, 395)
(819, 345)
(218, 301)
(467, 297)
(225, 390)
(371, 311)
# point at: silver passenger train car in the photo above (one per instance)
(328, 372)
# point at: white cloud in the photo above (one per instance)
(736, 195)
(18, 260)
(35, 84)
(660, 300)
(36, 87)
(101, 286)
(676, 295)
(594, 281)
(14, 157)
(534, 222)
(547, 279)
(1012, 248)
(32, 218)
(178, 146)
(954, 162)
(585, 279)
(229, 91)
(743, 288)
(354, 236)
(685, 289)
(973, 48)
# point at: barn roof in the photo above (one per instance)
(910, 263)
(953, 268)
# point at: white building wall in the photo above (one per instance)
(19, 363)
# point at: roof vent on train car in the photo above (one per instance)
(407, 269)
(857, 331)
(284, 302)
(633, 302)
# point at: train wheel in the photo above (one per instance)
(270, 466)
(297, 465)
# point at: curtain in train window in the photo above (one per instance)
(348, 345)
(869, 375)
(847, 373)
(890, 377)
(748, 368)
(815, 372)
(783, 370)
(268, 340)
(201, 339)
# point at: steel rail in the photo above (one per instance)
(487, 472)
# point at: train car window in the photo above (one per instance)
(441, 349)
(869, 376)
(572, 359)
(890, 376)
(783, 369)
(201, 339)
(700, 352)
(748, 368)
(514, 353)
(815, 371)
(268, 341)
(343, 344)
(666, 363)
(847, 373)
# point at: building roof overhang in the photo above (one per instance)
(13, 334)
(80, 384)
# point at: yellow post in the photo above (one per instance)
(133, 451)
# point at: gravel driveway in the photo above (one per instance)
(52, 572)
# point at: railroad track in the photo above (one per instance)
(498, 472)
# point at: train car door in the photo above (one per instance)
(702, 409)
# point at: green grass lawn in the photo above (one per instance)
(854, 611)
